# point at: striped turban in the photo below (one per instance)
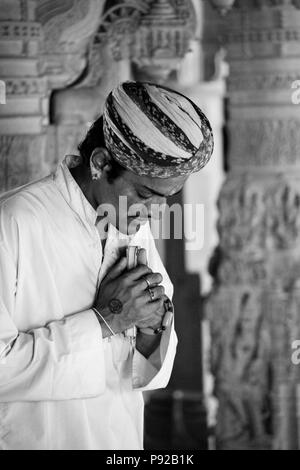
(152, 130)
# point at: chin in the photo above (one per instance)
(131, 226)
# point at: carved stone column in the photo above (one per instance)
(42, 47)
(22, 117)
(254, 310)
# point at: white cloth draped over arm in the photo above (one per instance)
(59, 361)
(155, 372)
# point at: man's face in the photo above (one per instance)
(134, 198)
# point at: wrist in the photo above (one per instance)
(107, 322)
(150, 331)
(106, 327)
(111, 324)
(146, 344)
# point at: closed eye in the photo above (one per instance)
(144, 196)
(149, 194)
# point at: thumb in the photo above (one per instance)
(117, 269)
(142, 257)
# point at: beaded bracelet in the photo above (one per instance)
(165, 324)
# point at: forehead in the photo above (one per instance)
(163, 185)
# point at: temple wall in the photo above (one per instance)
(254, 308)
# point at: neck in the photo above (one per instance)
(82, 177)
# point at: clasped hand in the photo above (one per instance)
(131, 290)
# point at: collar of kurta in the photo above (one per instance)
(77, 201)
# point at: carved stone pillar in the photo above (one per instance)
(42, 47)
(23, 115)
(254, 310)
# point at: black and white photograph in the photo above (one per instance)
(149, 227)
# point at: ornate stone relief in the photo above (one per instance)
(18, 159)
(68, 27)
(260, 214)
(152, 34)
(254, 310)
(240, 354)
(44, 46)
(274, 81)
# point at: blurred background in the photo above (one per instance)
(235, 384)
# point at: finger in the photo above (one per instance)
(149, 308)
(150, 280)
(158, 322)
(153, 308)
(155, 293)
(117, 269)
(160, 313)
(142, 257)
(152, 321)
(136, 273)
(153, 279)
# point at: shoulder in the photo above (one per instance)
(24, 211)
(26, 201)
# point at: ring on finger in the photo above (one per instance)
(148, 283)
(151, 293)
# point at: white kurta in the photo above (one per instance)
(61, 385)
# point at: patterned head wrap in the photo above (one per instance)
(152, 130)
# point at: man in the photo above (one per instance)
(71, 374)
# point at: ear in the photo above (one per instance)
(99, 158)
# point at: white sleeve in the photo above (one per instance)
(155, 372)
(60, 361)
